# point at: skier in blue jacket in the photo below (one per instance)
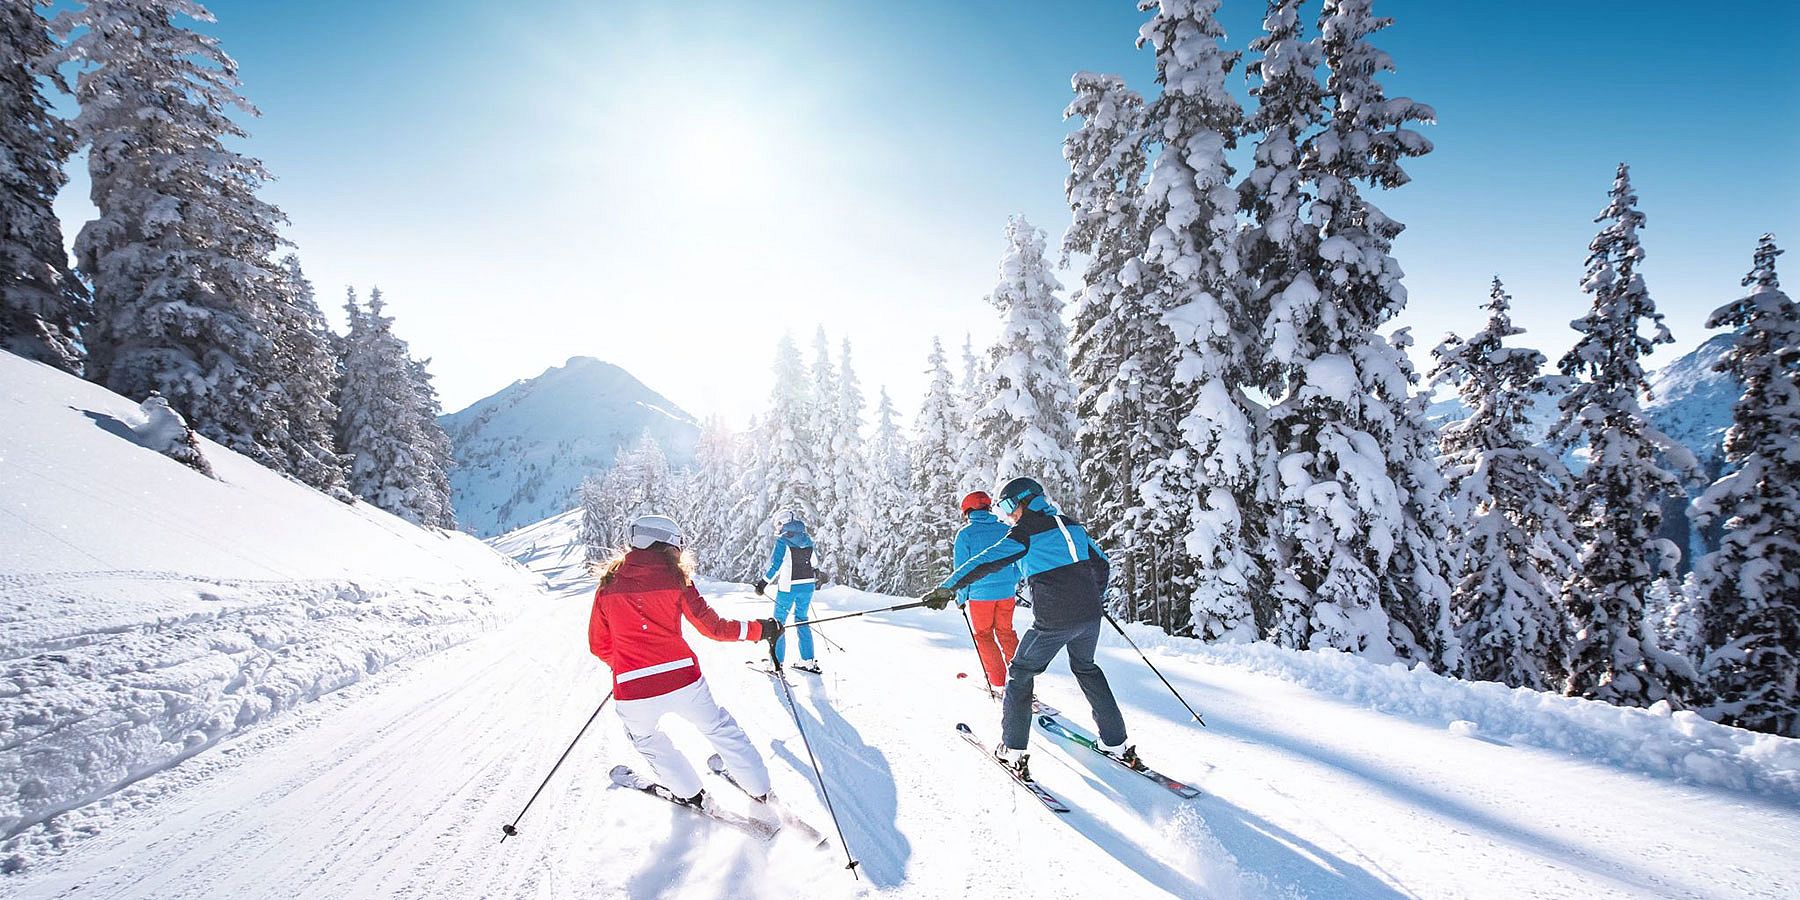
(989, 600)
(791, 569)
(1067, 573)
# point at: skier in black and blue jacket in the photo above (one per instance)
(1067, 573)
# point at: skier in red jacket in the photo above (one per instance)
(635, 629)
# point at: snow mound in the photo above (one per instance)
(148, 611)
(1677, 745)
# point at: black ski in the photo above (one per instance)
(1049, 800)
(1063, 730)
(624, 777)
(788, 820)
(766, 669)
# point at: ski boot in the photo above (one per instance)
(1126, 754)
(1016, 760)
(807, 665)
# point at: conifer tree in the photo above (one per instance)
(379, 419)
(1345, 435)
(1030, 420)
(847, 459)
(1750, 587)
(180, 255)
(596, 529)
(1276, 254)
(932, 516)
(825, 430)
(1616, 502)
(306, 378)
(42, 304)
(885, 508)
(436, 455)
(1114, 333)
(709, 498)
(975, 460)
(1200, 474)
(1513, 544)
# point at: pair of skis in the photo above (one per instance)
(626, 777)
(1055, 726)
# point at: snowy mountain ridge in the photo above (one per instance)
(522, 452)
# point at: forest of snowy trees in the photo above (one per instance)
(1220, 399)
(1222, 405)
(181, 288)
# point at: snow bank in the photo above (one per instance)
(147, 611)
(1678, 745)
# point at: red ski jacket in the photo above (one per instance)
(636, 628)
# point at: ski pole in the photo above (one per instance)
(863, 613)
(781, 679)
(507, 831)
(1147, 662)
(977, 644)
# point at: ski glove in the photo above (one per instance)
(770, 629)
(939, 598)
(759, 584)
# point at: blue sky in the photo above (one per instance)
(672, 186)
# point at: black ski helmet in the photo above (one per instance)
(1019, 492)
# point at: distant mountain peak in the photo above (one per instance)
(522, 452)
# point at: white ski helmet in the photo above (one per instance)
(647, 530)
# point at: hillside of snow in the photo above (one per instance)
(149, 613)
(1323, 776)
(1690, 401)
(521, 453)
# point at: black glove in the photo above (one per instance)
(771, 629)
(759, 584)
(820, 577)
(938, 598)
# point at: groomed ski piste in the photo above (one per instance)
(276, 733)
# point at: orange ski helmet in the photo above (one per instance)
(976, 500)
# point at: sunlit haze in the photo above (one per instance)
(670, 187)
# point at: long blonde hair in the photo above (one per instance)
(679, 561)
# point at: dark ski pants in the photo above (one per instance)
(1037, 648)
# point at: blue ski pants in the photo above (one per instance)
(1037, 647)
(798, 600)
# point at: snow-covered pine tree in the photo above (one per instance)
(932, 516)
(1197, 360)
(1418, 576)
(883, 564)
(1029, 421)
(1512, 542)
(746, 528)
(1107, 156)
(1276, 253)
(1344, 448)
(825, 429)
(1750, 586)
(43, 306)
(306, 377)
(709, 497)
(847, 458)
(436, 455)
(974, 460)
(1616, 502)
(378, 421)
(780, 459)
(180, 255)
(596, 531)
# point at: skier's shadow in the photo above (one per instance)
(862, 789)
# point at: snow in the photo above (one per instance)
(1324, 776)
(150, 612)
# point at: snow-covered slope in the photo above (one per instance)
(521, 453)
(148, 612)
(1691, 402)
(1324, 776)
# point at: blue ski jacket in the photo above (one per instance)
(791, 562)
(983, 531)
(1066, 570)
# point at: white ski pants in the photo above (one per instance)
(694, 703)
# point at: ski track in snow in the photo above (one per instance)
(397, 787)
